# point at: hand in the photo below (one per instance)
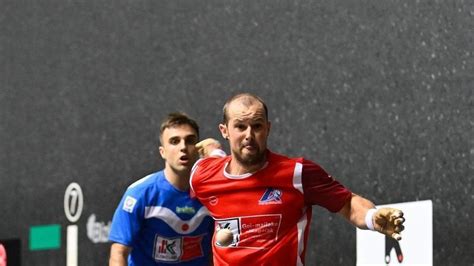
(205, 147)
(389, 221)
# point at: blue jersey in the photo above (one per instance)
(162, 224)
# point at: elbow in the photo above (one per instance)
(355, 210)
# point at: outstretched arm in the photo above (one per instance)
(362, 213)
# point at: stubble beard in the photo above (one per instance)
(250, 160)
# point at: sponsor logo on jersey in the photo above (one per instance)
(167, 249)
(213, 200)
(259, 231)
(271, 196)
(178, 249)
(185, 209)
(129, 204)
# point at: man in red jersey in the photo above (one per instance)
(265, 198)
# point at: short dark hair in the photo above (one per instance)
(248, 97)
(178, 119)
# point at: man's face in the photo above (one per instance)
(247, 130)
(178, 148)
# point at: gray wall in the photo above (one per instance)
(380, 93)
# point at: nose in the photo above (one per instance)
(182, 145)
(249, 133)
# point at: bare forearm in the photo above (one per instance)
(117, 261)
(356, 209)
(118, 255)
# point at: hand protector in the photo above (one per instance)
(389, 221)
(205, 147)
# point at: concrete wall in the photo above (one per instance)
(380, 93)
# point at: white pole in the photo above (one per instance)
(72, 246)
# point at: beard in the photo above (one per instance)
(250, 159)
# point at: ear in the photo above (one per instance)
(162, 152)
(223, 130)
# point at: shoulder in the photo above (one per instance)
(276, 158)
(212, 161)
(310, 166)
(145, 184)
(206, 169)
(301, 165)
(209, 164)
(283, 158)
(141, 192)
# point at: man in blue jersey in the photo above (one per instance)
(156, 221)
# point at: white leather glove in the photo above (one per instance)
(389, 221)
(207, 146)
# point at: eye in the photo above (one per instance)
(192, 140)
(241, 127)
(257, 126)
(174, 141)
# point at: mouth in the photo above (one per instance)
(184, 159)
(250, 147)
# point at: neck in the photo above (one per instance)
(178, 180)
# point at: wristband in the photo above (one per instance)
(218, 153)
(368, 219)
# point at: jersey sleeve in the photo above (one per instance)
(128, 218)
(199, 173)
(322, 189)
(191, 178)
(203, 162)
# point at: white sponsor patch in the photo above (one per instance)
(257, 232)
(167, 249)
(129, 204)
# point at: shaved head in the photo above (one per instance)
(246, 99)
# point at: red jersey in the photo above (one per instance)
(269, 211)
